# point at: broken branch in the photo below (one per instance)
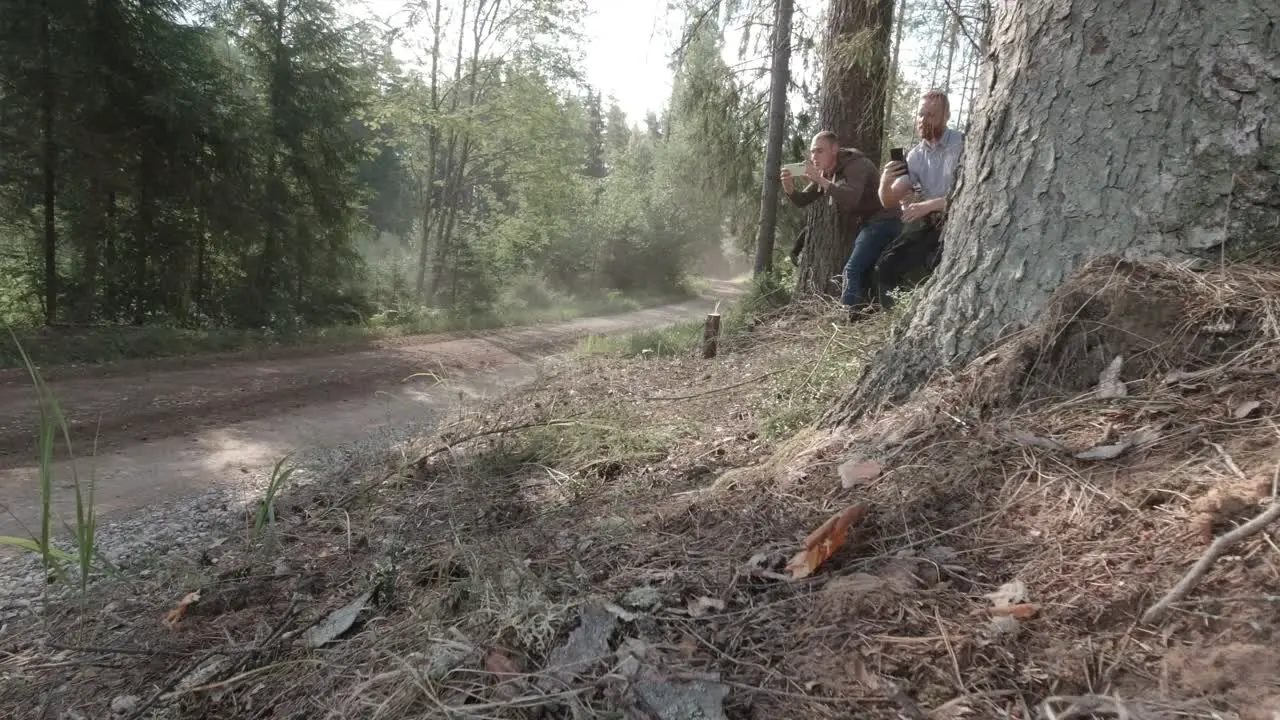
(1216, 550)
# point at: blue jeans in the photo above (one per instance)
(859, 271)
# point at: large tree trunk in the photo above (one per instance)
(854, 80)
(1138, 130)
(780, 78)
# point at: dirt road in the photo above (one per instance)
(164, 429)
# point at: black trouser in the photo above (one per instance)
(909, 258)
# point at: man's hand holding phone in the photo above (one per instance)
(896, 167)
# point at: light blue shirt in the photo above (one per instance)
(934, 167)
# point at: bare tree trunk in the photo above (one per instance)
(1139, 130)
(267, 271)
(953, 32)
(433, 148)
(891, 89)
(450, 159)
(49, 169)
(778, 82)
(143, 232)
(853, 95)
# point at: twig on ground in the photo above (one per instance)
(1231, 464)
(713, 391)
(241, 677)
(1216, 549)
(955, 661)
(108, 650)
(492, 431)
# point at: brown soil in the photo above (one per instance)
(159, 429)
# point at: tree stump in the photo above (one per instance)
(711, 336)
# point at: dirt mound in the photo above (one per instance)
(1157, 317)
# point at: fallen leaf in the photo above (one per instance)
(1008, 606)
(175, 615)
(636, 647)
(1221, 327)
(1145, 435)
(702, 606)
(1021, 611)
(499, 664)
(336, 622)
(621, 614)
(1176, 376)
(1245, 409)
(1025, 438)
(1109, 384)
(1008, 594)
(823, 542)
(857, 470)
(951, 710)
(1142, 436)
(1103, 452)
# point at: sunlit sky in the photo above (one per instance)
(628, 47)
(627, 53)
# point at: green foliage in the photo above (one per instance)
(264, 520)
(269, 166)
(84, 533)
(901, 125)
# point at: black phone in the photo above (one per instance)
(896, 155)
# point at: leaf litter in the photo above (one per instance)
(884, 628)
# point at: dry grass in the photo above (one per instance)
(660, 474)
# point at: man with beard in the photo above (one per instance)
(920, 186)
(847, 177)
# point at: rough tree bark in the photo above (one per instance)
(1135, 128)
(780, 78)
(854, 80)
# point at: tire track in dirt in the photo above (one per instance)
(166, 429)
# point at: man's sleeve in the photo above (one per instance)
(856, 177)
(915, 159)
(801, 198)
